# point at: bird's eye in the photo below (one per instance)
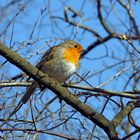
(75, 46)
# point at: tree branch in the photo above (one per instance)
(60, 91)
(125, 111)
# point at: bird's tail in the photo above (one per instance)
(29, 92)
(25, 98)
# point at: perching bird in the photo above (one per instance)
(59, 62)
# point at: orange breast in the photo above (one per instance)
(71, 55)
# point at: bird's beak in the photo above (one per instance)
(84, 50)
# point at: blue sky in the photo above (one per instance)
(48, 28)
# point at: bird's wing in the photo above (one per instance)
(49, 55)
(46, 57)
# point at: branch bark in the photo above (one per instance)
(125, 111)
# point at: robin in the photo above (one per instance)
(59, 62)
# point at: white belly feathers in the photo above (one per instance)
(59, 70)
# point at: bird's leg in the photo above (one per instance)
(42, 87)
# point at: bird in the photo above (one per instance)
(59, 62)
